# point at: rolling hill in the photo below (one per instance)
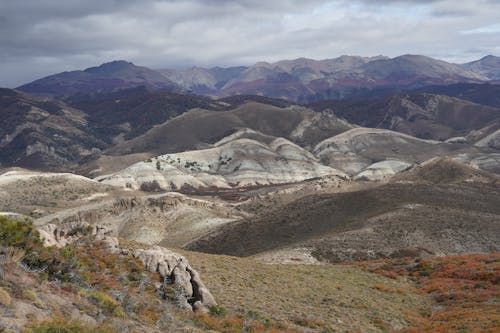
(237, 161)
(200, 129)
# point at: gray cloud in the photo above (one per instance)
(41, 37)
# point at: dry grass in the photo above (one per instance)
(320, 298)
(4, 297)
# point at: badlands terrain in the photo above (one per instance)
(134, 205)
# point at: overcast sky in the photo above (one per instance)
(42, 37)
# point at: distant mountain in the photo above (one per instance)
(42, 134)
(305, 80)
(202, 80)
(488, 66)
(425, 116)
(109, 76)
(301, 80)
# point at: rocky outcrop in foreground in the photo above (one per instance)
(174, 269)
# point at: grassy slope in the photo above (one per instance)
(324, 297)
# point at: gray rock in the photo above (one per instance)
(175, 268)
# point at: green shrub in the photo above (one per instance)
(217, 311)
(107, 303)
(19, 234)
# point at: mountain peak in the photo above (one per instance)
(489, 56)
(110, 67)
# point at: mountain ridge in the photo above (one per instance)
(300, 80)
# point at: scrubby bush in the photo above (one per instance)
(108, 304)
(17, 238)
(217, 311)
(20, 234)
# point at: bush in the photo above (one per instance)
(217, 311)
(107, 303)
(20, 234)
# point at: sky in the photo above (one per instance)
(43, 37)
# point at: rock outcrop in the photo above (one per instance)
(60, 236)
(174, 268)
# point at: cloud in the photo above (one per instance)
(41, 37)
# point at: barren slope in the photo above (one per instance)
(37, 193)
(411, 216)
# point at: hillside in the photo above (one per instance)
(127, 113)
(44, 133)
(485, 94)
(425, 116)
(200, 129)
(359, 148)
(236, 161)
(104, 291)
(393, 219)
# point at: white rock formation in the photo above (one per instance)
(235, 162)
(382, 170)
(356, 149)
(492, 140)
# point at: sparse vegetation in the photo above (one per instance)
(152, 186)
(464, 288)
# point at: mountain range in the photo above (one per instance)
(301, 80)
